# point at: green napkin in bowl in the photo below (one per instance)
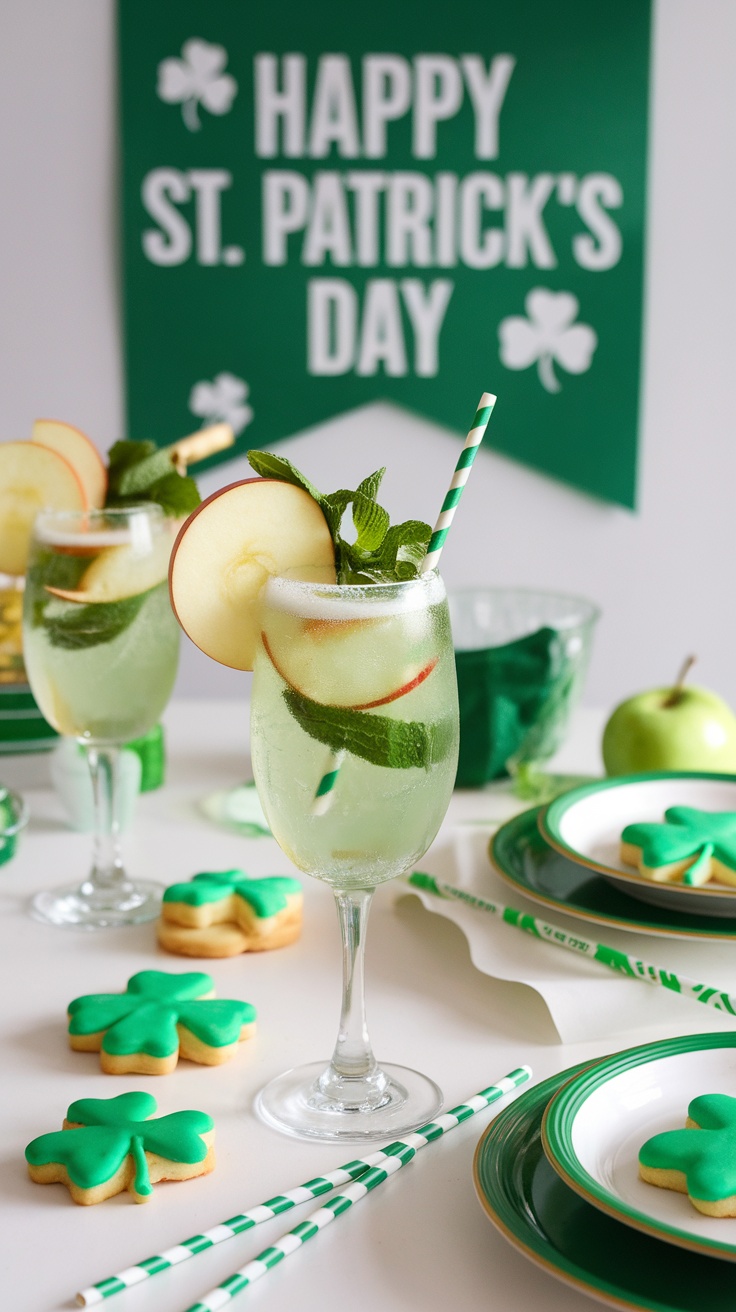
(514, 703)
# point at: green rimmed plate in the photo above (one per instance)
(594, 1127)
(562, 1233)
(585, 825)
(523, 859)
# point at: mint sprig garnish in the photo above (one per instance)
(139, 472)
(381, 553)
(395, 744)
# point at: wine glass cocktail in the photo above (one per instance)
(101, 647)
(353, 686)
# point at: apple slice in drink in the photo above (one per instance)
(228, 549)
(82, 455)
(32, 478)
(355, 663)
(119, 572)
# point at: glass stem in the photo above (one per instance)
(353, 1080)
(107, 866)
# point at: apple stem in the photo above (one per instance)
(675, 693)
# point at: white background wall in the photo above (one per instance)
(665, 578)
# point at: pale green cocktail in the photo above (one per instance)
(385, 651)
(112, 691)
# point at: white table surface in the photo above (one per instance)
(421, 1240)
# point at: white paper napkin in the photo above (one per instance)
(585, 999)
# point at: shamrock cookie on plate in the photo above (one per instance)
(700, 1160)
(160, 1017)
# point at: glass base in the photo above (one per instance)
(82, 906)
(294, 1104)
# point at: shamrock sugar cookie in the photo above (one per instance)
(108, 1145)
(700, 1160)
(221, 914)
(691, 847)
(159, 1018)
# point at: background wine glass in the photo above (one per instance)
(101, 646)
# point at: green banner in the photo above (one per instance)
(324, 205)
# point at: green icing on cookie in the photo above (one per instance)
(265, 896)
(145, 1017)
(685, 833)
(107, 1130)
(707, 1155)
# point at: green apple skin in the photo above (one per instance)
(697, 733)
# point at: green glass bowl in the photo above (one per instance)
(13, 818)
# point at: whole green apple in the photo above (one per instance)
(671, 729)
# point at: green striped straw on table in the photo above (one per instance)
(621, 962)
(365, 1173)
(323, 797)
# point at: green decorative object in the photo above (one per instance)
(151, 749)
(239, 809)
(147, 1016)
(13, 818)
(104, 1131)
(403, 202)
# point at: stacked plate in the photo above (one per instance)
(22, 726)
(557, 1173)
(566, 855)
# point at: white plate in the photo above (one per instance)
(585, 825)
(594, 1127)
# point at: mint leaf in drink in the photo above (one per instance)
(79, 626)
(56, 569)
(138, 473)
(395, 744)
(379, 553)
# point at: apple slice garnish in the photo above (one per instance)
(119, 572)
(358, 662)
(32, 478)
(79, 451)
(227, 550)
(411, 680)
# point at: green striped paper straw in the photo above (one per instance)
(459, 479)
(396, 1155)
(600, 952)
(322, 1184)
(324, 796)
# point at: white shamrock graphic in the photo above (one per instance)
(197, 79)
(548, 335)
(224, 400)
